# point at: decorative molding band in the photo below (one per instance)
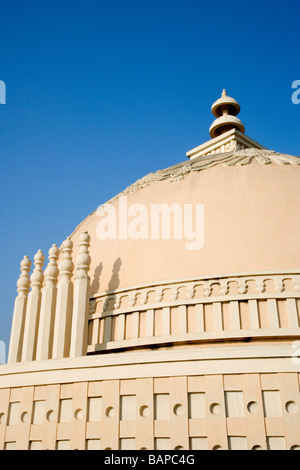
(240, 359)
(223, 285)
(204, 337)
(234, 308)
(187, 302)
(229, 141)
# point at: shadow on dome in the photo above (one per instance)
(95, 285)
(115, 280)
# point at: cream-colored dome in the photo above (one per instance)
(251, 204)
(195, 345)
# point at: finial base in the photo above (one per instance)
(227, 142)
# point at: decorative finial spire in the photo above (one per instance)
(83, 259)
(225, 109)
(24, 280)
(51, 272)
(37, 277)
(66, 265)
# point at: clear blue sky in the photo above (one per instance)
(102, 92)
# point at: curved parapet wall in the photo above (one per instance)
(236, 307)
(221, 308)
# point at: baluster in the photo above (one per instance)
(79, 336)
(48, 303)
(224, 287)
(260, 285)
(105, 304)
(190, 291)
(159, 295)
(117, 302)
(33, 309)
(207, 289)
(242, 286)
(144, 297)
(278, 285)
(174, 293)
(63, 313)
(92, 308)
(296, 280)
(16, 338)
(132, 299)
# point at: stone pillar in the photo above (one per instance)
(33, 309)
(16, 338)
(48, 303)
(63, 314)
(79, 337)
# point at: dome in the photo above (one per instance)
(170, 318)
(251, 202)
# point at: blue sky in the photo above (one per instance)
(102, 92)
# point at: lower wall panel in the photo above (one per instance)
(222, 411)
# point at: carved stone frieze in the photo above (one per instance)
(228, 158)
(238, 285)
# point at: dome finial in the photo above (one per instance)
(225, 109)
